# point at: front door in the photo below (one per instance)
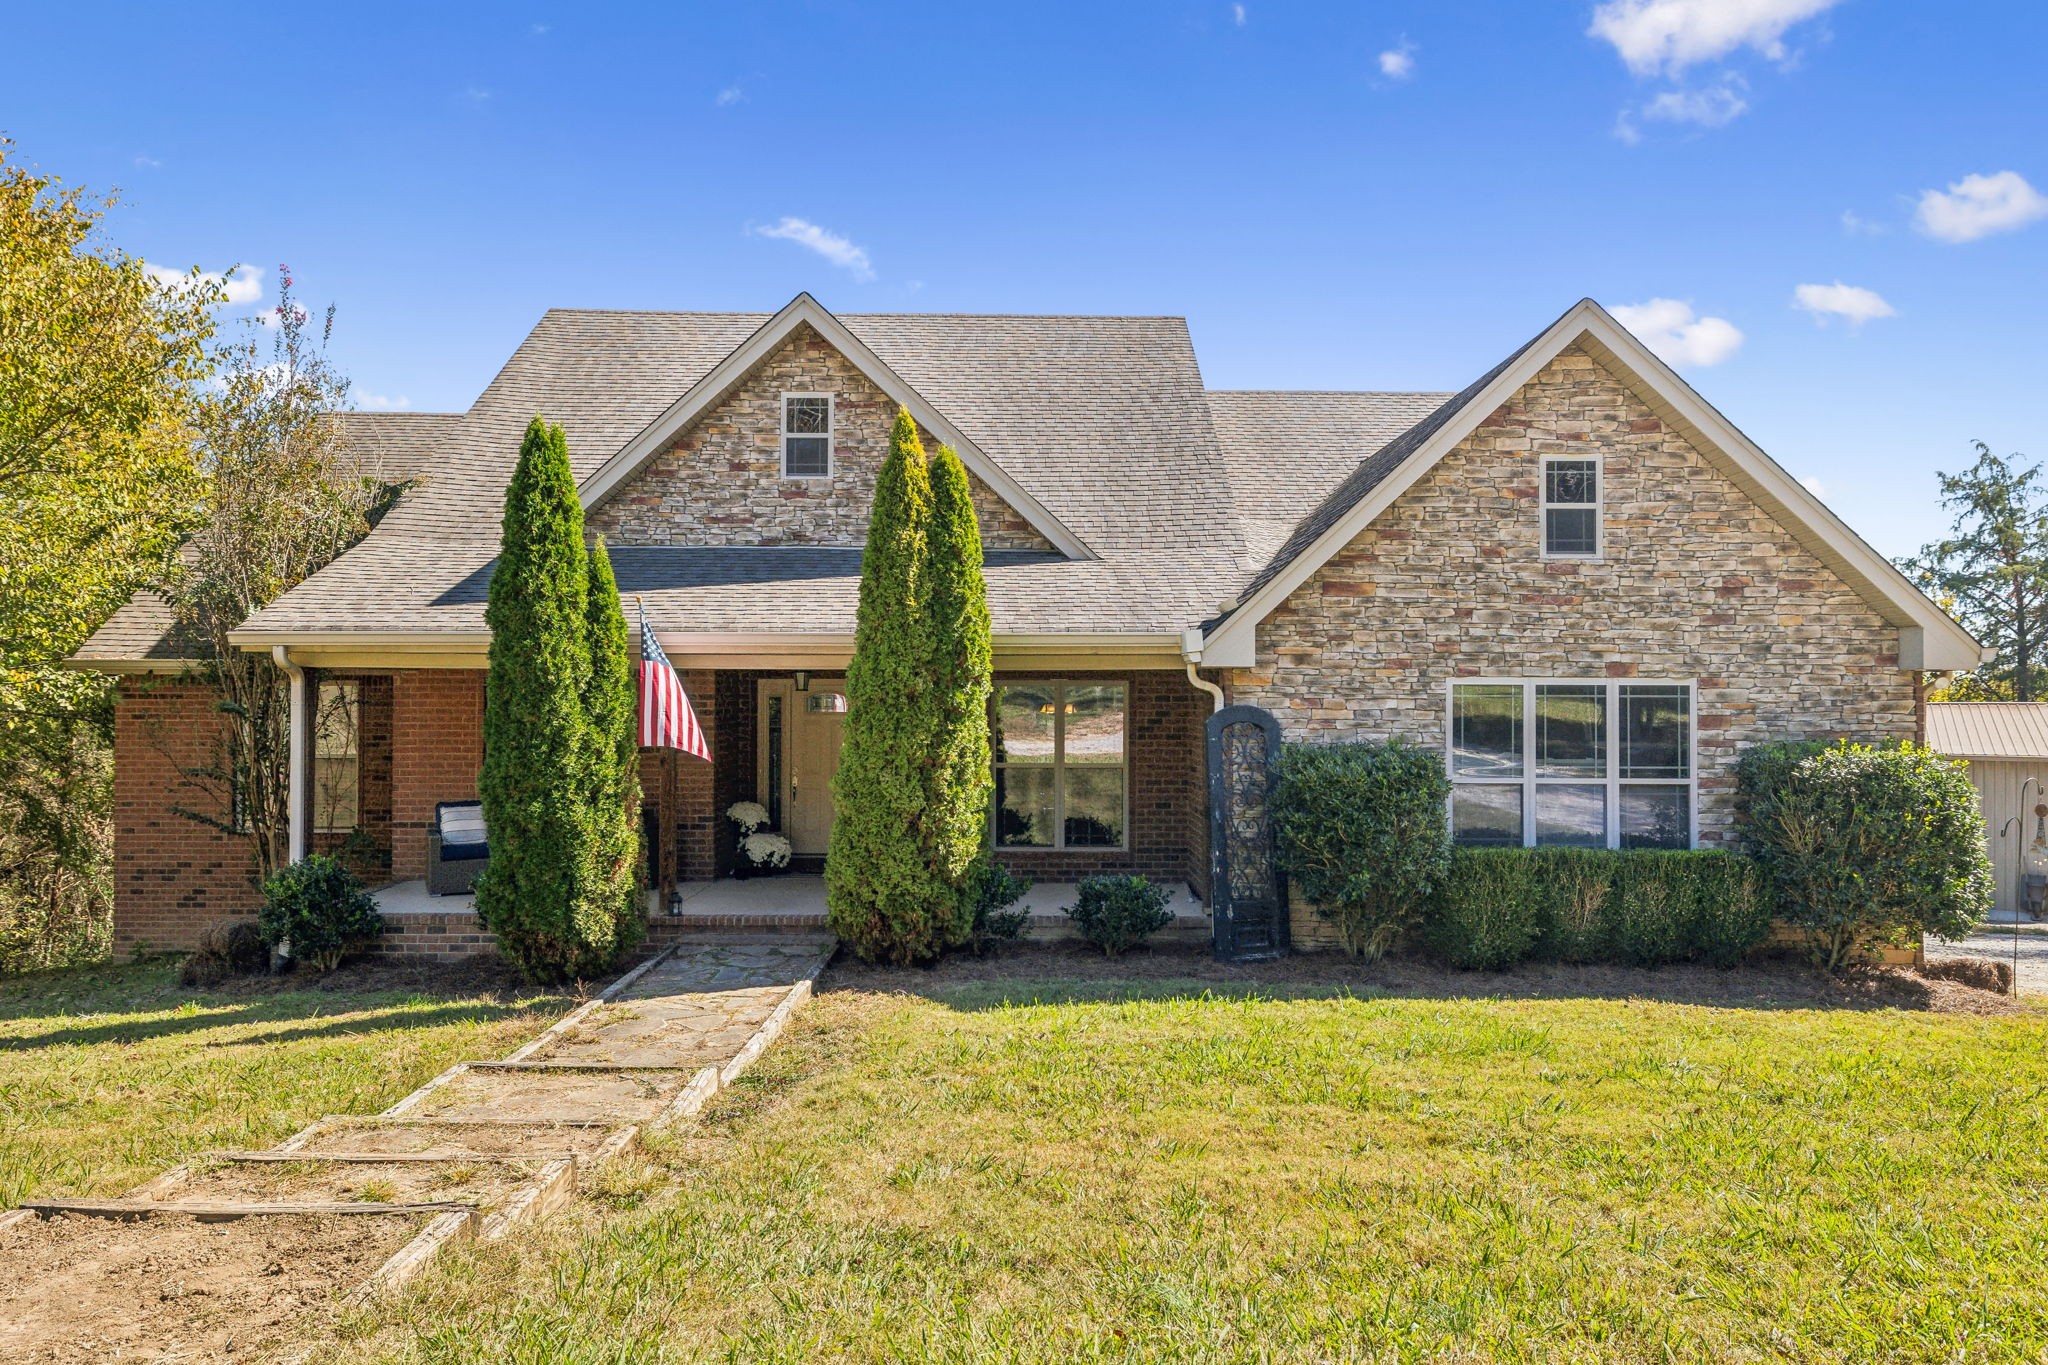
(811, 726)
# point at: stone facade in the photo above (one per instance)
(1697, 584)
(720, 482)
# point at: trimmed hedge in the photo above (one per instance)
(1641, 907)
(1865, 844)
(1362, 834)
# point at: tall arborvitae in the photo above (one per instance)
(613, 908)
(960, 781)
(535, 783)
(881, 894)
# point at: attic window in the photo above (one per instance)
(1571, 508)
(806, 436)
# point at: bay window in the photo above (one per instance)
(1059, 765)
(1588, 764)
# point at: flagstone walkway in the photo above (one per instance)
(474, 1152)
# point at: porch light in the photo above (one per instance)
(803, 680)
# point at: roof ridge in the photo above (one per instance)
(1340, 393)
(698, 313)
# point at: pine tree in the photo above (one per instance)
(535, 783)
(881, 895)
(613, 912)
(956, 605)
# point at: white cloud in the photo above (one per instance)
(1398, 63)
(825, 242)
(377, 402)
(730, 96)
(1852, 303)
(1668, 327)
(475, 94)
(242, 285)
(147, 163)
(1715, 107)
(1237, 15)
(1813, 486)
(1856, 225)
(1667, 36)
(1979, 205)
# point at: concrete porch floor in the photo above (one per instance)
(795, 900)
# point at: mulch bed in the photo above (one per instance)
(1769, 982)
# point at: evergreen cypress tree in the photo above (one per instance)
(535, 784)
(612, 914)
(881, 895)
(961, 782)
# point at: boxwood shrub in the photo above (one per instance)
(1640, 907)
(1362, 834)
(1863, 844)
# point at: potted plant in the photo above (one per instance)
(761, 852)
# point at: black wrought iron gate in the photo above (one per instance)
(1247, 893)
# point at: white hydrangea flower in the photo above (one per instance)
(748, 815)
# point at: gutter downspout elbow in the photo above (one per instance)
(1191, 652)
(296, 747)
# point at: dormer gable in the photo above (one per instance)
(788, 456)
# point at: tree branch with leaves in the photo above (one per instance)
(1991, 572)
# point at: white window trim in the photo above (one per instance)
(1599, 505)
(782, 441)
(1613, 781)
(1059, 768)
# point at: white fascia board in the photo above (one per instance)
(756, 348)
(1929, 639)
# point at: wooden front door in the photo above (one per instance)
(812, 725)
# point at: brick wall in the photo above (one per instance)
(172, 874)
(700, 829)
(721, 482)
(1697, 583)
(437, 750)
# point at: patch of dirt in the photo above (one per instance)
(535, 1141)
(169, 1288)
(482, 1183)
(1045, 970)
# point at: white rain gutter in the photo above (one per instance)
(296, 787)
(1191, 652)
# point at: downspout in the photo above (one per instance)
(296, 787)
(1191, 651)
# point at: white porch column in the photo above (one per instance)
(295, 798)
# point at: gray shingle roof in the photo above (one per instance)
(1103, 419)
(393, 446)
(1187, 497)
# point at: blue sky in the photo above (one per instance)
(1368, 195)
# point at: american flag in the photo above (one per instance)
(666, 720)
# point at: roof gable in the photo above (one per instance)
(733, 370)
(1928, 637)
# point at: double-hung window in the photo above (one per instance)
(806, 436)
(1571, 508)
(1059, 760)
(337, 756)
(1591, 764)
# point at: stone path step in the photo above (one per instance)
(486, 1145)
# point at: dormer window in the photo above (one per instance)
(1571, 508)
(806, 436)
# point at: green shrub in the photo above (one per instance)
(1487, 911)
(320, 909)
(1864, 845)
(1640, 907)
(1362, 835)
(995, 918)
(1115, 913)
(960, 779)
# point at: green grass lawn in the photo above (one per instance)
(110, 1075)
(1143, 1171)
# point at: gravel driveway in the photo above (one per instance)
(2033, 973)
